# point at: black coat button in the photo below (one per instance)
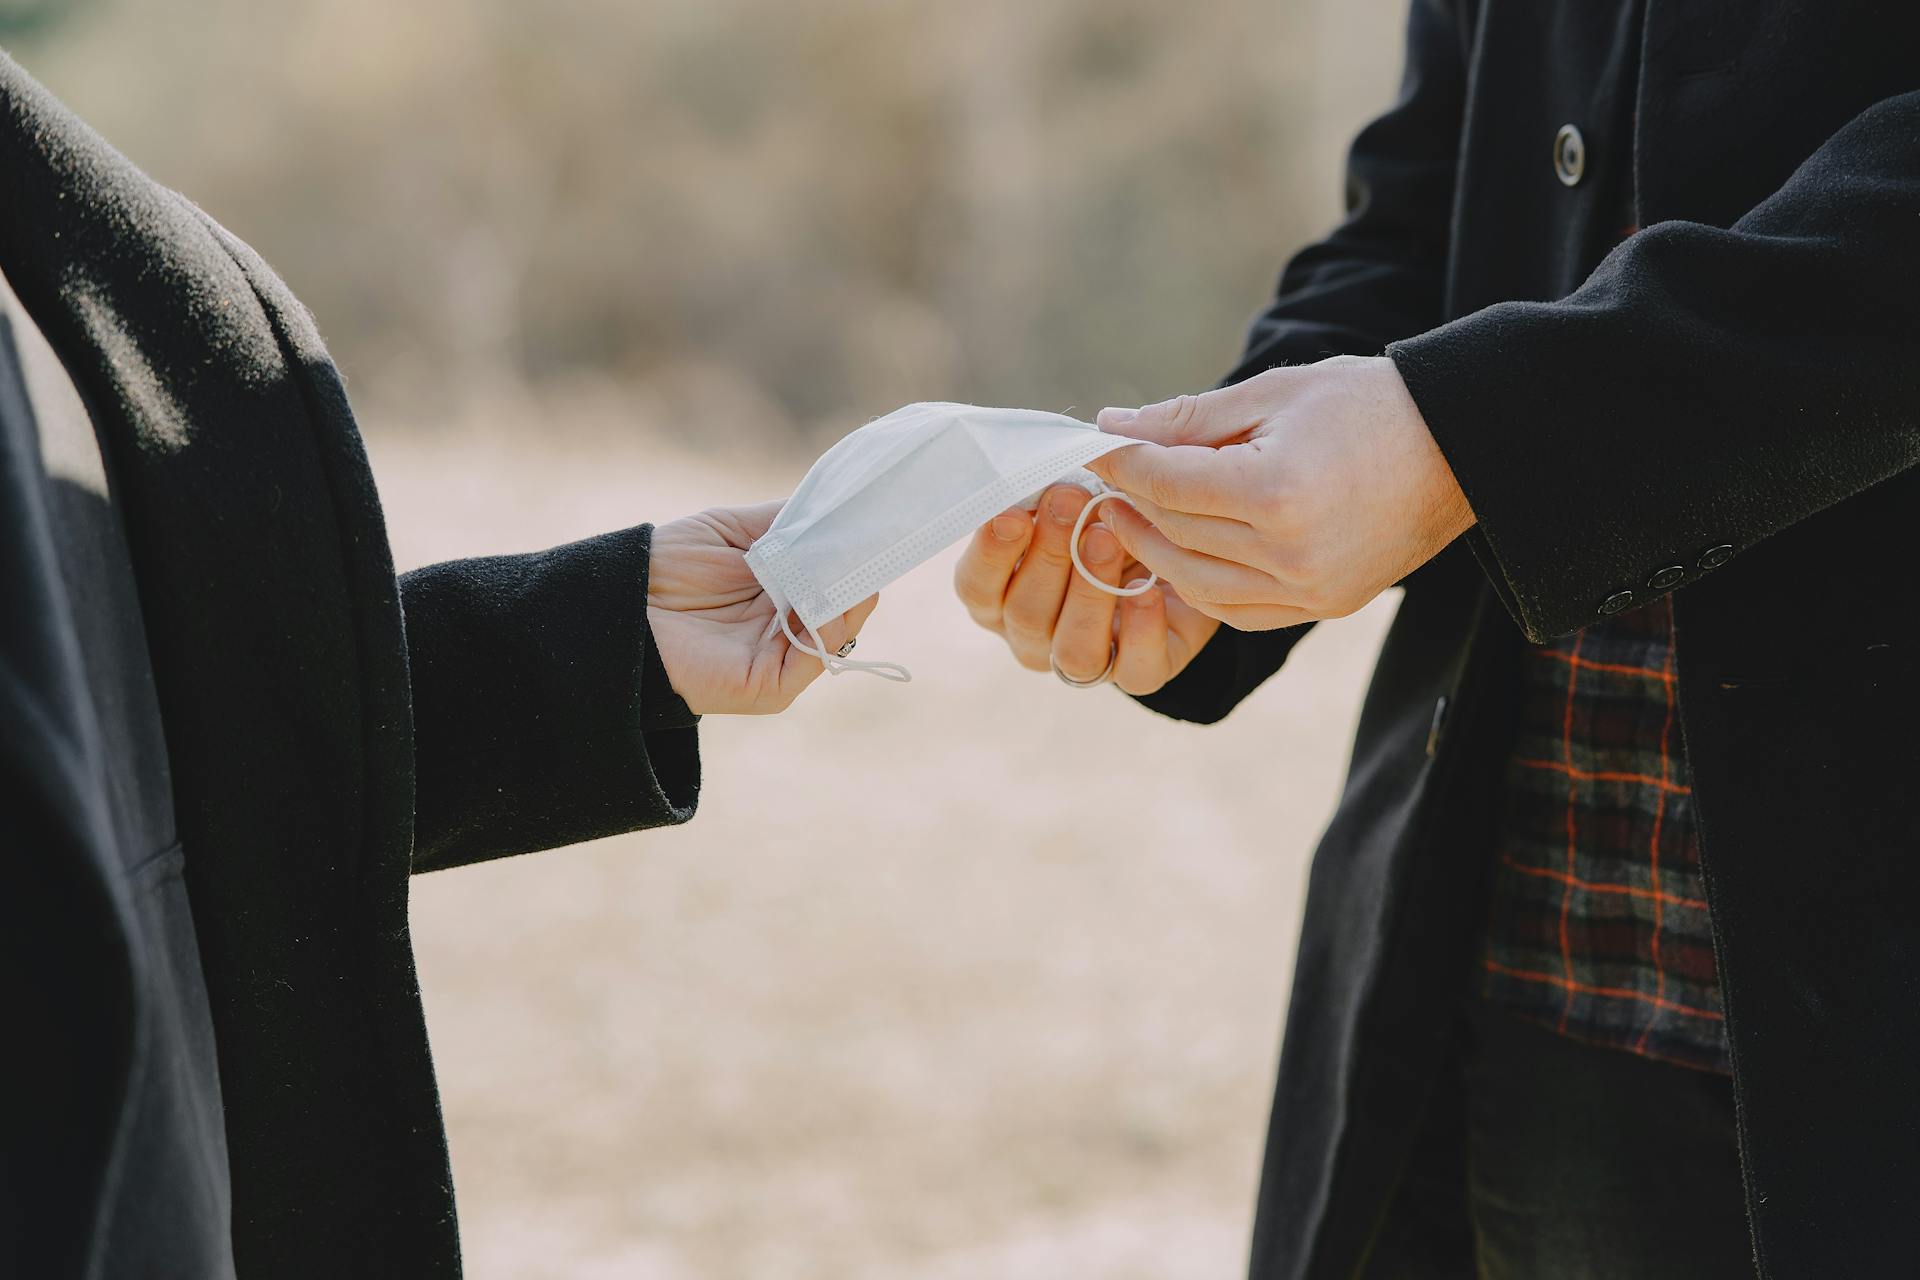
(1615, 603)
(1667, 577)
(1569, 155)
(1714, 557)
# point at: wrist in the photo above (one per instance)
(1446, 512)
(1452, 515)
(662, 705)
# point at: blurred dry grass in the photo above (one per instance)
(980, 977)
(808, 213)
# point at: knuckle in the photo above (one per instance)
(986, 561)
(1298, 564)
(1086, 599)
(967, 585)
(1273, 508)
(1050, 551)
(1165, 491)
(1079, 650)
(983, 608)
(1079, 598)
(998, 556)
(1025, 630)
(1201, 593)
(986, 620)
(1183, 413)
(1283, 500)
(1177, 529)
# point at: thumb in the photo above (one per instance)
(1213, 418)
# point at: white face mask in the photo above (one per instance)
(897, 491)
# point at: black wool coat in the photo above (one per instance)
(228, 735)
(1731, 396)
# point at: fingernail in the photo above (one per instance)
(1063, 507)
(1142, 600)
(1101, 546)
(1008, 528)
(1115, 417)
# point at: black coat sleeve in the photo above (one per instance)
(542, 715)
(1730, 382)
(1380, 276)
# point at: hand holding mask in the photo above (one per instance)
(1299, 494)
(1017, 580)
(712, 623)
(896, 492)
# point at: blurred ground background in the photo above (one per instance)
(980, 977)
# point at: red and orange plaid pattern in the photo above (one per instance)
(1598, 921)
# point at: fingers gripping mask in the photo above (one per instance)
(899, 490)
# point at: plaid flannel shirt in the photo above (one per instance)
(1597, 925)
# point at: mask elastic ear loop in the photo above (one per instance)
(1073, 548)
(834, 663)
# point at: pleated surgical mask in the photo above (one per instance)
(896, 492)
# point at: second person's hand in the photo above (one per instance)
(1017, 580)
(1299, 494)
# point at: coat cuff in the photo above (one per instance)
(542, 714)
(1228, 668)
(1570, 527)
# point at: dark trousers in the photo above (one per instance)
(1546, 1159)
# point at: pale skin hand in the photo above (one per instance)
(1299, 494)
(710, 617)
(1017, 580)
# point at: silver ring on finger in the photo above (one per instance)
(846, 648)
(1113, 654)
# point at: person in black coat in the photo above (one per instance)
(1609, 953)
(229, 734)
